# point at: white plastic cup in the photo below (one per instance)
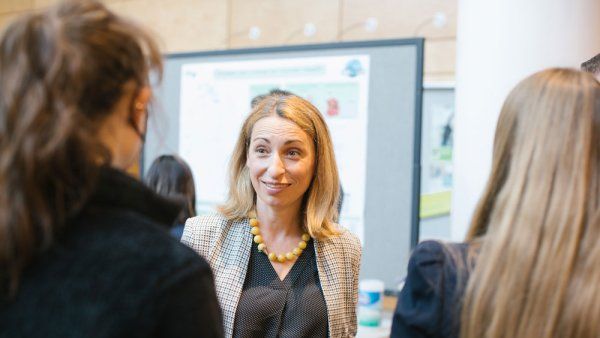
(370, 296)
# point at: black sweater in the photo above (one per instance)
(116, 272)
(429, 304)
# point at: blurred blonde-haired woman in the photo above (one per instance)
(531, 263)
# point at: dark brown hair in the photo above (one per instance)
(592, 65)
(61, 73)
(171, 177)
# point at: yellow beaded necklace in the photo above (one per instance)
(281, 258)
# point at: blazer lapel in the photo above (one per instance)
(331, 282)
(230, 263)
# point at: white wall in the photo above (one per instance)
(499, 42)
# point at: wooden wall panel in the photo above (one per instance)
(5, 19)
(282, 22)
(37, 4)
(8, 6)
(435, 20)
(440, 60)
(398, 18)
(182, 25)
(193, 25)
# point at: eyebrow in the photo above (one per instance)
(286, 142)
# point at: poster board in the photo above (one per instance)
(370, 95)
(436, 161)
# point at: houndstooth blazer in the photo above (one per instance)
(226, 244)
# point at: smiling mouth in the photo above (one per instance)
(275, 186)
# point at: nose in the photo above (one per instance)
(276, 166)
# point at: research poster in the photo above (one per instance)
(436, 179)
(215, 99)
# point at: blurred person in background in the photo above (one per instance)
(170, 176)
(83, 250)
(592, 66)
(530, 266)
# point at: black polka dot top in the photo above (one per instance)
(292, 307)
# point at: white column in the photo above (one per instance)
(499, 42)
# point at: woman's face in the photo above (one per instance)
(281, 159)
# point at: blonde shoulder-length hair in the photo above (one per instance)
(538, 268)
(319, 208)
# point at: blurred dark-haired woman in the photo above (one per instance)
(83, 250)
(170, 176)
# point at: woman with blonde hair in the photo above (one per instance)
(282, 267)
(84, 250)
(530, 266)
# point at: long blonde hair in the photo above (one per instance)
(321, 198)
(538, 271)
